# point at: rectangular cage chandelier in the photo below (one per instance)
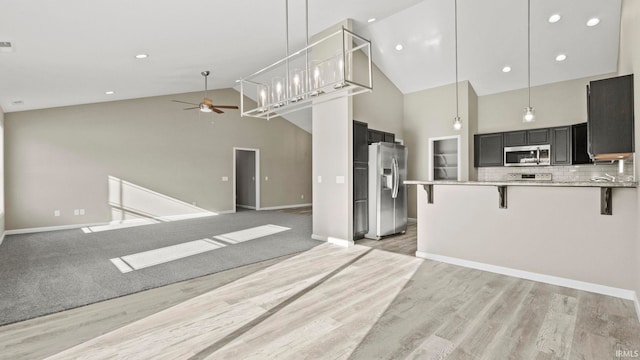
(338, 65)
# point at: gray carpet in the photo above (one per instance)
(43, 273)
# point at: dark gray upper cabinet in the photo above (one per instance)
(360, 142)
(389, 137)
(488, 150)
(561, 145)
(579, 154)
(515, 138)
(610, 115)
(527, 137)
(375, 136)
(538, 137)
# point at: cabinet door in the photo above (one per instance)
(579, 154)
(561, 145)
(515, 138)
(375, 136)
(538, 137)
(360, 142)
(488, 150)
(389, 137)
(610, 120)
(360, 200)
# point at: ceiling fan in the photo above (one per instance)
(206, 105)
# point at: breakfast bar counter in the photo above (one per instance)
(573, 234)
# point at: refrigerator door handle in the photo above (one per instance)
(396, 178)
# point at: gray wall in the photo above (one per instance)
(61, 158)
(2, 216)
(430, 113)
(557, 104)
(332, 159)
(629, 62)
(383, 108)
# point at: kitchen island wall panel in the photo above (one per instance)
(555, 231)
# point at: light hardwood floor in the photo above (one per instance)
(338, 303)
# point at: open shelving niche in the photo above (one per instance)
(444, 158)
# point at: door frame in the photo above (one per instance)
(257, 165)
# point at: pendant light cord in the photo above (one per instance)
(286, 30)
(529, 48)
(456, 51)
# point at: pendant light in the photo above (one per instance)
(529, 111)
(457, 121)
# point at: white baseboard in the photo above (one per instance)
(78, 226)
(246, 207)
(52, 228)
(333, 240)
(412, 220)
(284, 207)
(340, 242)
(548, 279)
(318, 237)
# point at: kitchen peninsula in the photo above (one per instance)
(552, 232)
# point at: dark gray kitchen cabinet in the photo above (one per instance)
(515, 138)
(360, 142)
(375, 136)
(488, 150)
(538, 136)
(360, 200)
(579, 153)
(360, 179)
(389, 137)
(610, 116)
(526, 137)
(561, 145)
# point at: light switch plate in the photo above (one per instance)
(319, 179)
(225, 178)
(339, 179)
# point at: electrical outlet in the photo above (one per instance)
(56, 213)
(76, 212)
(266, 178)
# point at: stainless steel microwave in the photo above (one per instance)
(534, 155)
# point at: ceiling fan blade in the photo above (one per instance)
(217, 110)
(191, 108)
(183, 102)
(207, 101)
(225, 106)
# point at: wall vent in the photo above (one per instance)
(6, 46)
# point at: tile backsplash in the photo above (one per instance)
(561, 173)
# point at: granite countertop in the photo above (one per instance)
(527, 183)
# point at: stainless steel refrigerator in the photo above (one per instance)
(387, 191)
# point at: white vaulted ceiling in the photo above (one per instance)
(71, 51)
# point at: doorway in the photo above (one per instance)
(246, 179)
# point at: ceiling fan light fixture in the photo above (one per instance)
(204, 108)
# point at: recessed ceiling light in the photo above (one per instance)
(554, 18)
(506, 69)
(399, 47)
(371, 20)
(561, 57)
(593, 22)
(142, 56)
(109, 92)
